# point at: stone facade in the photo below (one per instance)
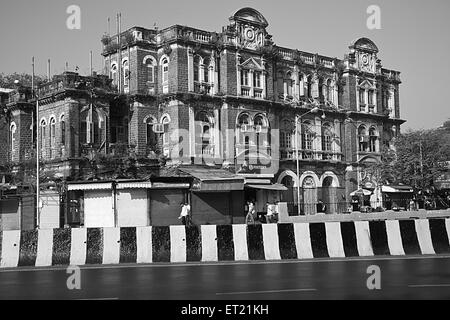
(227, 99)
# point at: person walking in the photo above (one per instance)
(185, 212)
(250, 219)
(270, 212)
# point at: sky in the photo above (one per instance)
(413, 39)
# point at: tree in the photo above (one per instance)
(421, 156)
(8, 80)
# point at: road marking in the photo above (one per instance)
(429, 286)
(262, 292)
(97, 299)
(228, 263)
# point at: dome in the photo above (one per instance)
(364, 44)
(250, 15)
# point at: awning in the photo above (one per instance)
(361, 192)
(273, 187)
(134, 185)
(214, 180)
(89, 186)
(396, 189)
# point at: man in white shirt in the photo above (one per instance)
(185, 211)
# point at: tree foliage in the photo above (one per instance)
(24, 79)
(421, 156)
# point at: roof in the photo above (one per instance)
(251, 15)
(207, 174)
(364, 44)
(4, 90)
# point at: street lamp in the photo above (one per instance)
(297, 119)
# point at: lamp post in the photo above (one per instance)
(297, 119)
(38, 198)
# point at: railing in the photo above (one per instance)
(366, 206)
(204, 150)
(204, 88)
(202, 36)
(289, 154)
(245, 92)
(258, 94)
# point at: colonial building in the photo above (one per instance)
(231, 109)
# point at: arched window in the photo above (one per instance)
(150, 64)
(321, 87)
(243, 129)
(289, 84)
(287, 128)
(197, 62)
(307, 138)
(206, 64)
(152, 138)
(309, 86)
(166, 137)
(204, 132)
(52, 139)
(126, 75)
(90, 128)
(113, 73)
(63, 130)
(373, 137)
(262, 131)
(165, 70)
(362, 137)
(13, 130)
(329, 91)
(327, 137)
(43, 134)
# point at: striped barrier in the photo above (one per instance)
(210, 243)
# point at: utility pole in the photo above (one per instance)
(38, 204)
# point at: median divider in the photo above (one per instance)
(210, 243)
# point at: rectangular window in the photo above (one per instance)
(165, 73)
(371, 97)
(244, 78)
(362, 97)
(151, 75)
(257, 80)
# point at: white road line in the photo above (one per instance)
(228, 263)
(96, 299)
(429, 286)
(262, 292)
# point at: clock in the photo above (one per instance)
(249, 34)
(365, 60)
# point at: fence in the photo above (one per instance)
(343, 207)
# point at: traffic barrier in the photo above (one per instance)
(210, 243)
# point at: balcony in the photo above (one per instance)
(202, 88)
(310, 155)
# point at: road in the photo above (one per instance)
(401, 278)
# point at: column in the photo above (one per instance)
(250, 82)
(190, 57)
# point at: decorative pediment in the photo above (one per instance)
(366, 84)
(252, 64)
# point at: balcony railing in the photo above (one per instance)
(204, 150)
(289, 154)
(203, 88)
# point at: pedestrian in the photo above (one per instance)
(185, 211)
(250, 219)
(270, 212)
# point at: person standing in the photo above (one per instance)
(185, 210)
(270, 212)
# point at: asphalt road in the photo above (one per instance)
(401, 278)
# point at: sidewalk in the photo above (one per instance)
(358, 216)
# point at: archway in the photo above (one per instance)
(309, 187)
